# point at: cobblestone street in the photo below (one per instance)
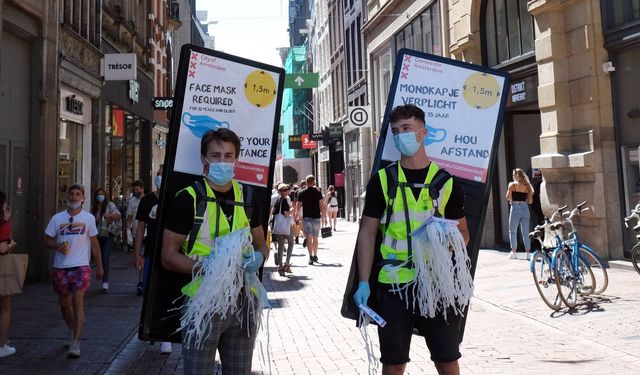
(509, 328)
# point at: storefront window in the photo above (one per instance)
(123, 153)
(508, 30)
(70, 159)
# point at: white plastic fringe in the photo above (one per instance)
(372, 361)
(440, 283)
(257, 302)
(222, 279)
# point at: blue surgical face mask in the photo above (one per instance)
(100, 198)
(220, 173)
(158, 181)
(406, 143)
(73, 205)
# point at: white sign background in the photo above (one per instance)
(222, 83)
(461, 122)
(115, 73)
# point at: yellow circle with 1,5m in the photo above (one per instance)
(481, 90)
(260, 88)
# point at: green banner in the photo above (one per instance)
(301, 80)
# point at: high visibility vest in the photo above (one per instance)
(395, 246)
(214, 224)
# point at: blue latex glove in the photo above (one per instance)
(252, 264)
(362, 294)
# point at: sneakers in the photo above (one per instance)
(69, 340)
(315, 258)
(105, 287)
(165, 348)
(512, 255)
(7, 350)
(74, 350)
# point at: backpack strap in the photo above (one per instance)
(392, 184)
(247, 202)
(437, 182)
(201, 207)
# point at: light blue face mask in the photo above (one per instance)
(220, 173)
(100, 198)
(73, 205)
(158, 181)
(406, 143)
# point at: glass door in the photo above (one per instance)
(70, 159)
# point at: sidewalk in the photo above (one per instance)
(38, 331)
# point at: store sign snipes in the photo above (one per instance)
(225, 93)
(462, 107)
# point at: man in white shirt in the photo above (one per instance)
(73, 234)
(132, 209)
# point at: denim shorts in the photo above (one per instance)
(311, 226)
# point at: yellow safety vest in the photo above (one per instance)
(214, 220)
(395, 236)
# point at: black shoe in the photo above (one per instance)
(311, 261)
(297, 240)
(304, 243)
(315, 258)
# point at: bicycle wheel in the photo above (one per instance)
(599, 270)
(635, 257)
(543, 278)
(586, 281)
(566, 282)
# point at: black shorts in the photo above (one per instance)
(395, 338)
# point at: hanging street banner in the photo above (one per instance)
(461, 107)
(464, 106)
(301, 80)
(213, 90)
(224, 93)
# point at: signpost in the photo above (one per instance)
(464, 105)
(301, 80)
(359, 115)
(213, 90)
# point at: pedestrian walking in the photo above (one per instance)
(395, 296)
(7, 245)
(283, 231)
(105, 213)
(73, 235)
(145, 240)
(520, 195)
(331, 202)
(132, 208)
(311, 209)
(225, 216)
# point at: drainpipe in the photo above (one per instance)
(445, 28)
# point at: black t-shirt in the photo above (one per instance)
(181, 214)
(310, 199)
(285, 206)
(375, 203)
(147, 211)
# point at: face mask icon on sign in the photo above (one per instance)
(434, 135)
(200, 124)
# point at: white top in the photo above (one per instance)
(132, 209)
(77, 233)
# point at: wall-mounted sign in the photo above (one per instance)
(295, 142)
(162, 102)
(323, 154)
(315, 136)
(301, 80)
(134, 90)
(74, 105)
(119, 67)
(359, 116)
(335, 130)
(307, 143)
(518, 93)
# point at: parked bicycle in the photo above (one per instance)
(635, 252)
(544, 276)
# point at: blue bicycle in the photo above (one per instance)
(544, 276)
(574, 264)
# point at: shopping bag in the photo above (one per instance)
(281, 225)
(13, 269)
(325, 232)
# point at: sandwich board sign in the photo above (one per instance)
(213, 90)
(464, 106)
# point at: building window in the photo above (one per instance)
(422, 33)
(621, 12)
(83, 17)
(508, 30)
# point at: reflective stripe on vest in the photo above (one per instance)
(212, 217)
(395, 239)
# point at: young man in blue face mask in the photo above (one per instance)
(234, 338)
(412, 204)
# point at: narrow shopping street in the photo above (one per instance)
(509, 329)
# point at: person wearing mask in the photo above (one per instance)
(7, 245)
(132, 209)
(520, 195)
(226, 214)
(402, 215)
(73, 235)
(105, 213)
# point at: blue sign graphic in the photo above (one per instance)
(200, 124)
